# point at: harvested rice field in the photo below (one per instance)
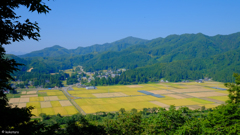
(50, 102)
(112, 94)
(65, 103)
(45, 104)
(112, 98)
(134, 86)
(22, 100)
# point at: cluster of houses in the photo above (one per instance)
(203, 80)
(110, 73)
(102, 74)
(198, 81)
(162, 81)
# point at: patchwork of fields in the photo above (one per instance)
(112, 98)
(50, 102)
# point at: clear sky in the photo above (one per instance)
(74, 23)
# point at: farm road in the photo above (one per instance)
(64, 89)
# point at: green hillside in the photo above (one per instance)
(176, 57)
(171, 48)
(219, 67)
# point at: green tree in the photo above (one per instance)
(125, 124)
(14, 118)
(122, 110)
(134, 110)
(234, 90)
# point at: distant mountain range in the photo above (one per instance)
(195, 55)
(57, 50)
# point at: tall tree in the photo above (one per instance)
(234, 90)
(11, 30)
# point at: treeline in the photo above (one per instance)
(147, 121)
(41, 79)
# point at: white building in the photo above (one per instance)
(91, 87)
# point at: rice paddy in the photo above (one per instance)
(50, 102)
(33, 99)
(178, 94)
(55, 104)
(117, 106)
(221, 98)
(112, 98)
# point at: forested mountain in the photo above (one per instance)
(57, 50)
(161, 50)
(176, 57)
(220, 67)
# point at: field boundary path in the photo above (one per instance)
(78, 107)
(80, 110)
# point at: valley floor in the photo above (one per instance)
(112, 98)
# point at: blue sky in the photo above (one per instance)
(74, 23)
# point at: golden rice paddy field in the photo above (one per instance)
(112, 98)
(50, 102)
(178, 94)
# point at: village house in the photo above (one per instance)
(84, 78)
(6, 91)
(91, 87)
(113, 75)
(200, 81)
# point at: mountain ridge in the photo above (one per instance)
(185, 50)
(58, 50)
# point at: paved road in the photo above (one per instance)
(65, 90)
(85, 72)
